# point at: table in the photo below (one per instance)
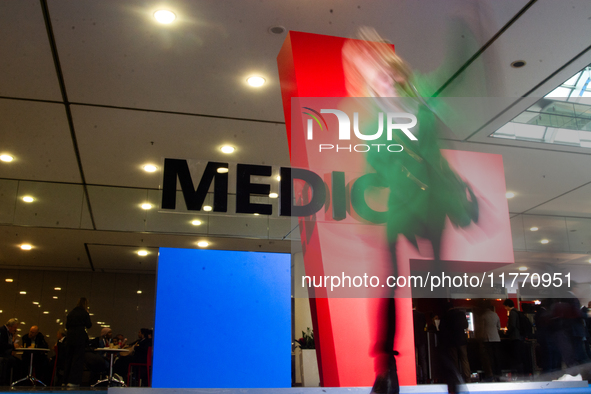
(110, 379)
(30, 376)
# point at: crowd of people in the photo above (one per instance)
(551, 341)
(74, 352)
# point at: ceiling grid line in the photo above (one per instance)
(62, 85)
(485, 47)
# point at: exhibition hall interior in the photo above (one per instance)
(95, 95)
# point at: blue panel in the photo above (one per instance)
(223, 319)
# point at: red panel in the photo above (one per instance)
(310, 66)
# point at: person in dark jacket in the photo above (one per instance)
(454, 346)
(40, 361)
(77, 322)
(8, 361)
(516, 341)
(139, 354)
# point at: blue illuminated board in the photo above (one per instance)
(222, 319)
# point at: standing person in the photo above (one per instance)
(420, 334)
(77, 322)
(454, 344)
(487, 331)
(424, 190)
(516, 341)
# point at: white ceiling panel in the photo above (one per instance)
(26, 65)
(578, 200)
(126, 53)
(38, 137)
(54, 205)
(115, 144)
(8, 192)
(122, 258)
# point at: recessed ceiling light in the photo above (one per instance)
(255, 81)
(150, 168)
(509, 194)
(533, 229)
(55, 297)
(28, 199)
(196, 222)
(518, 63)
(6, 158)
(91, 314)
(523, 268)
(22, 292)
(9, 280)
(46, 312)
(227, 149)
(35, 302)
(142, 252)
(139, 292)
(207, 208)
(164, 16)
(57, 288)
(273, 195)
(146, 206)
(26, 247)
(203, 244)
(544, 241)
(222, 170)
(277, 30)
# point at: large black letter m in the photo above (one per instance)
(194, 199)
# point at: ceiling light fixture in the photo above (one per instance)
(196, 222)
(6, 158)
(9, 280)
(227, 149)
(273, 195)
(203, 244)
(509, 194)
(22, 292)
(28, 199)
(142, 252)
(146, 206)
(255, 81)
(277, 30)
(523, 268)
(139, 292)
(518, 63)
(533, 229)
(57, 288)
(164, 16)
(26, 247)
(55, 297)
(46, 312)
(544, 241)
(35, 303)
(207, 208)
(222, 170)
(150, 168)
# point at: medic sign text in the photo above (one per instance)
(178, 169)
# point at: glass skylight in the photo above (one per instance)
(562, 117)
